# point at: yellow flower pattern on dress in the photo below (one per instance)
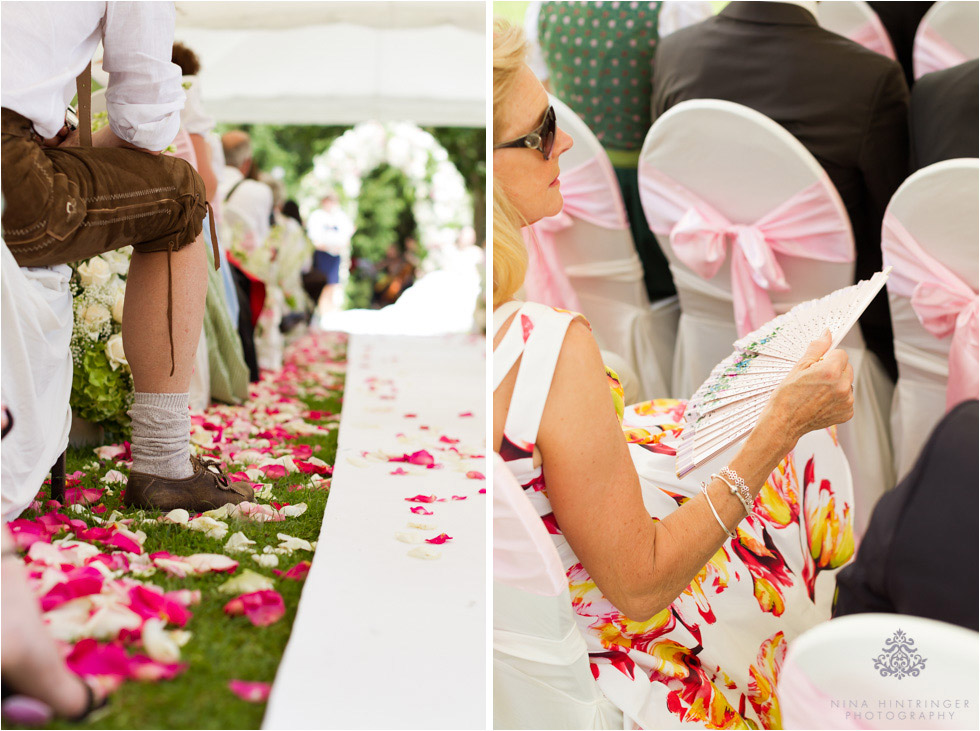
(762, 687)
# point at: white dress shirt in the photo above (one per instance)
(249, 205)
(193, 118)
(330, 231)
(45, 45)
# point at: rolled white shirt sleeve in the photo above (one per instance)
(144, 96)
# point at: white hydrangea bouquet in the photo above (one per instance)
(102, 386)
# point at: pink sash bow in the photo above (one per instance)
(942, 302)
(591, 193)
(873, 36)
(810, 224)
(931, 52)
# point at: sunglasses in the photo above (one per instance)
(542, 138)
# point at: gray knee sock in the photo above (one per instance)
(161, 435)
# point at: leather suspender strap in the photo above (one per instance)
(83, 84)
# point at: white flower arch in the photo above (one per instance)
(442, 204)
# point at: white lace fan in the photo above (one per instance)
(728, 404)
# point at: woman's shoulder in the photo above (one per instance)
(531, 315)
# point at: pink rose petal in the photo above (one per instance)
(82, 495)
(398, 471)
(419, 510)
(439, 539)
(248, 691)
(459, 497)
(474, 475)
(89, 658)
(274, 471)
(466, 413)
(448, 440)
(296, 573)
(482, 491)
(421, 499)
(81, 581)
(262, 608)
(143, 668)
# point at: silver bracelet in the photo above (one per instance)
(746, 505)
(743, 489)
(730, 533)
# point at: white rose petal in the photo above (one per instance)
(294, 511)
(109, 621)
(178, 516)
(159, 645)
(205, 562)
(209, 526)
(292, 543)
(421, 526)
(238, 542)
(266, 560)
(245, 583)
(408, 537)
(424, 552)
(181, 636)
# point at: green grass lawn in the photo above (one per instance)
(222, 648)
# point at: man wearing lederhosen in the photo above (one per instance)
(66, 202)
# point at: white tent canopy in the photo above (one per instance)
(339, 62)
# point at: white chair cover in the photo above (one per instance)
(948, 35)
(541, 674)
(594, 250)
(857, 21)
(744, 167)
(937, 207)
(199, 391)
(35, 376)
(852, 673)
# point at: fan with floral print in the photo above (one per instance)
(729, 403)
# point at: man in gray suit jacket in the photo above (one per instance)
(846, 104)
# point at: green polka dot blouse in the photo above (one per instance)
(600, 61)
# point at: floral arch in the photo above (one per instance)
(443, 205)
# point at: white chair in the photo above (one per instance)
(541, 674)
(937, 208)
(881, 671)
(858, 22)
(36, 375)
(594, 248)
(745, 169)
(948, 35)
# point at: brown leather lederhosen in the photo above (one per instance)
(65, 204)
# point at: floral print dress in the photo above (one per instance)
(712, 658)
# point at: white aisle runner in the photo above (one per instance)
(383, 639)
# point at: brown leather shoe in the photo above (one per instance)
(208, 488)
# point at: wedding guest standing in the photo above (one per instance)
(50, 183)
(846, 104)
(919, 555)
(944, 121)
(599, 57)
(330, 230)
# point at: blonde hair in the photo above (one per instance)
(509, 252)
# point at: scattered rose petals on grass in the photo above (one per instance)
(261, 608)
(251, 692)
(238, 542)
(439, 539)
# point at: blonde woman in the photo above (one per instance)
(684, 622)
